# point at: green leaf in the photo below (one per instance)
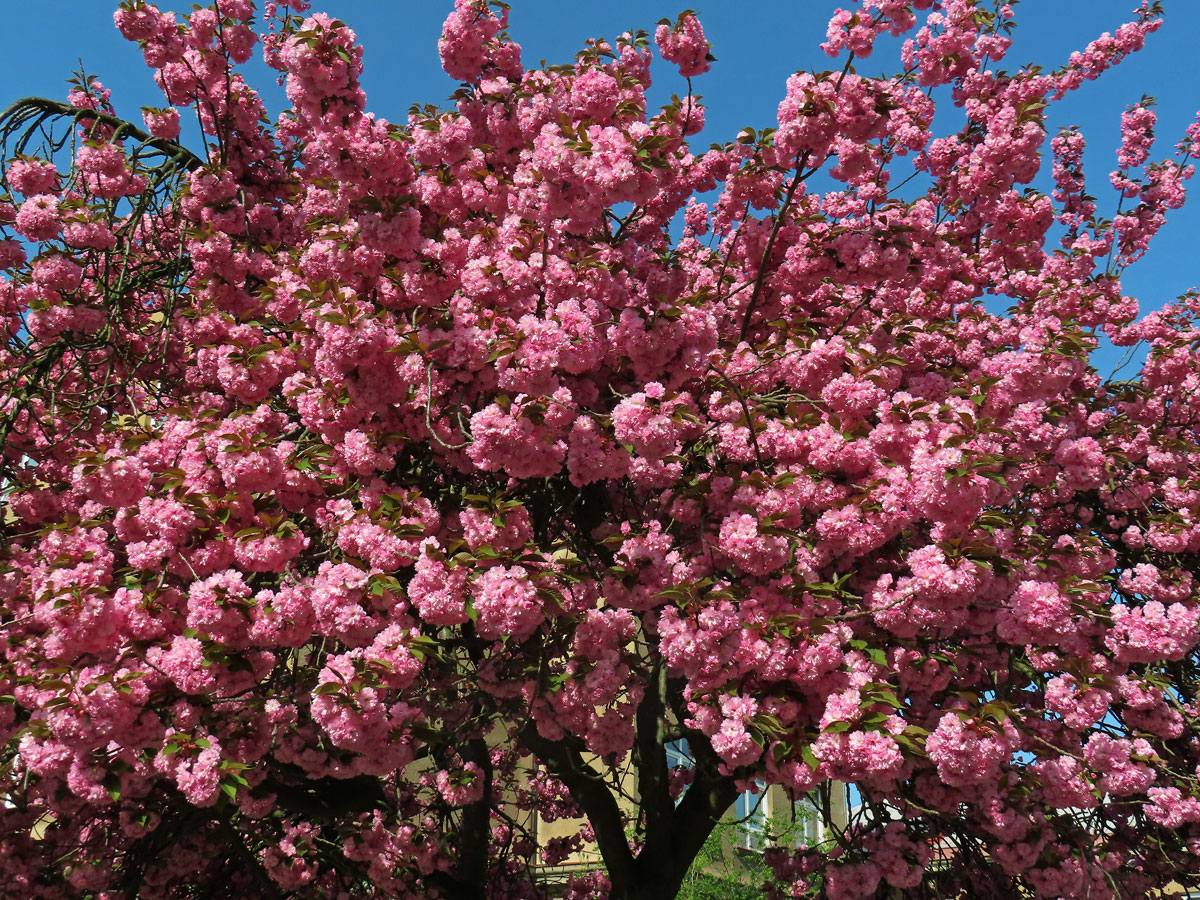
(810, 759)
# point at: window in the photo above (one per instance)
(679, 755)
(750, 813)
(749, 810)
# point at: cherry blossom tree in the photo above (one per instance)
(373, 488)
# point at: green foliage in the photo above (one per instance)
(703, 886)
(723, 870)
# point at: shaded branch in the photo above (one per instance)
(32, 112)
(590, 791)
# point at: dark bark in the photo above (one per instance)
(471, 871)
(653, 784)
(566, 763)
(674, 834)
(660, 873)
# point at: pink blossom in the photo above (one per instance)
(162, 123)
(684, 44)
(1153, 631)
(505, 599)
(966, 754)
(38, 218)
(32, 176)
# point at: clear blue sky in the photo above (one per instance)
(758, 43)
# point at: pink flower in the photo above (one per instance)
(32, 176)
(966, 754)
(509, 441)
(12, 254)
(1170, 808)
(684, 44)
(162, 123)
(461, 788)
(184, 664)
(38, 218)
(438, 591)
(506, 603)
(756, 553)
(1078, 708)
(471, 42)
(1153, 632)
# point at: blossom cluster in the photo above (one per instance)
(463, 455)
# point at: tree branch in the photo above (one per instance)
(588, 789)
(42, 108)
(653, 782)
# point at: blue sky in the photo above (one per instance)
(758, 43)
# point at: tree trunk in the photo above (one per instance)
(651, 889)
(673, 834)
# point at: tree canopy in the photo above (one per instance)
(374, 487)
